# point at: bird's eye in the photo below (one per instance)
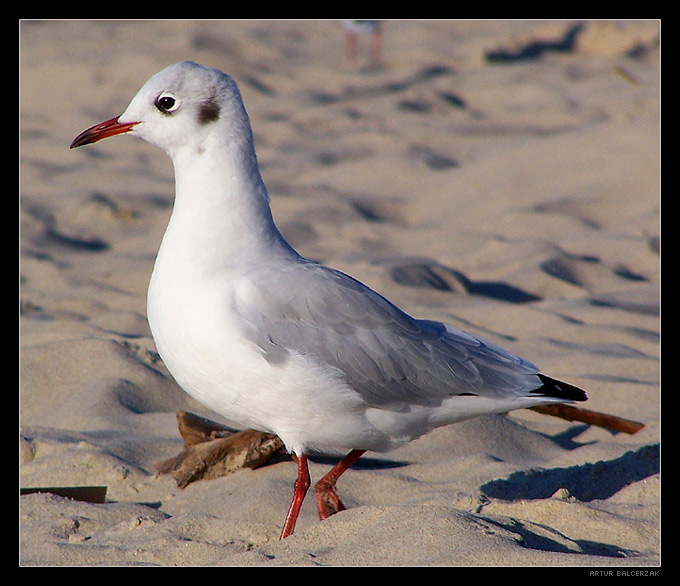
(166, 103)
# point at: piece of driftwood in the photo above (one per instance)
(88, 494)
(195, 429)
(213, 450)
(572, 413)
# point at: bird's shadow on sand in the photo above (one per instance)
(363, 463)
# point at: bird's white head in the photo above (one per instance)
(184, 106)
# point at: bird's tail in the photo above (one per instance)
(559, 390)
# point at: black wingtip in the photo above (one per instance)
(552, 387)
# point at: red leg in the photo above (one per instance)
(301, 486)
(327, 500)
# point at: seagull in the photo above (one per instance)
(275, 342)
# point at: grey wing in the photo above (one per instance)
(387, 356)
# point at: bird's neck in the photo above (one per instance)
(221, 214)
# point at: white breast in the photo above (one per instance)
(198, 335)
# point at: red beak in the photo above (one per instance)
(102, 130)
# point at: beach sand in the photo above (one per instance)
(503, 177)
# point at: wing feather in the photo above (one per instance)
(387, 357)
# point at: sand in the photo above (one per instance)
(501, 176)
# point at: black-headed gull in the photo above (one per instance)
(277, 343)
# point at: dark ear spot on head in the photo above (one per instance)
(208, 111)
